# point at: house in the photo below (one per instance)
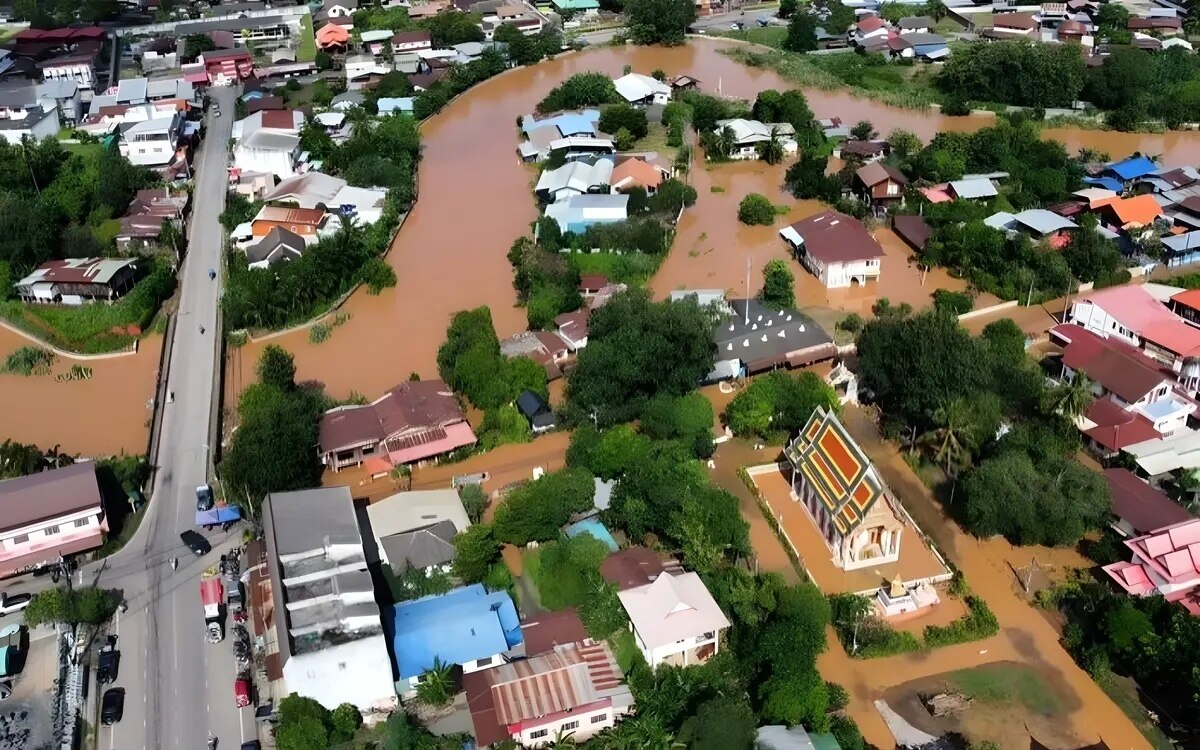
(1131, 314)
(362, 69)
(1127, 171)
(578, 212)
(835, 248)
(332, 37)
(752, 338)
(748, 135)
(1139, 508)
(974, 189)
(545, 632)
(373, 41)
(913, 230)
(1012, 25)
(49, 515)
(223, 67)
(543, 347)
(79, 67)
(415, 530)
(38, 123)
(833, 128)
(574, 690)
(62, 95)
(1160, 25)
(674, 620)
(1074, 32)
(867, 29)
(581, 147)
(414, 422)
(880, 185)
(1181, 249)
(424, 81)
(916, 25)
(1040, 224)
(466, 627)
(75, 281)
(308, 190)
(865, 151)
(573, 328)
(282, 122)
(579, 7)
(1186, 304)
(574, 178)
(919, 46)
(641, 91)
(327, 625)
(535, 409)
(529, 25)
(278, 246)
(264, 151)
(147, 212)
(305, 222)
(1166, 562)
(411, 41)
(634, 567)
(1129, 214)
(843, 493)
(683, 83)
(1136, 398)
(155, 143)
(638, 173)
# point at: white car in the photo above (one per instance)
(14, 603)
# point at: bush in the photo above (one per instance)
(852, 323)
(580, 90)
(756, 209)
(537, 510)
(28, 360)
(978, 623)
(377, 274)
(567, 571)
(616, 117)
(954, 303)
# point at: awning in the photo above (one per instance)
(457, 435)
(223, 514)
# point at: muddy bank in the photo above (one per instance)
(475, 199)
(107, 414)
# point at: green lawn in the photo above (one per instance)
(307, 51)
(1003, 683)
(634, 268)
(624, 648)
(656, 140)
(771, 36)
(83, 149)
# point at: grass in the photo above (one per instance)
(624, 648)
(27, 361)
(870, 76)
(83, 149)
(112, 544)
(1004, 683)
(771, 36)
(307, 51)
(632, 268)
(300, 97)
(656, 140)
(1124, 693)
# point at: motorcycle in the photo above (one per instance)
(212, 741)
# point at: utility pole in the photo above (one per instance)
(747, 305)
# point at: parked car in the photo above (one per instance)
(113, 706)
(108, 664)
(196, 543)
(204, 497)
(241, 693)
(14, 603)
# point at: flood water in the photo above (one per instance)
(105, 415)
(475, 198)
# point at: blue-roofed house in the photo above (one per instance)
(400, 104)
(579, 212)
(468, 626)
(1181, 249)
(1130, 169)
(1108, 183)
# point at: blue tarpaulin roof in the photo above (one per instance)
(458, 627)
(223, 514)
(1108, 183)
(1132, 168)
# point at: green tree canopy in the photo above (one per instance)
(659, 21)
(615, 117)
(776, 405)
(277, 367)
(756, 209)
(580, 90)
(475, 549)
(778, 285)
(537, 510)
(1015, 72)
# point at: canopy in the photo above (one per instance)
(220, 514)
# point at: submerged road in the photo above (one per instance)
(179, 688)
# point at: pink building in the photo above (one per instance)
(1165, 562)
(48, 515)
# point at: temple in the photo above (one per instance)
(1165, 562)
(843, 494)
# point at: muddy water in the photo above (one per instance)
(475, 199)
(105, 415)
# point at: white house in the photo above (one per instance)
(47, 515)
(80, 68)
(152, 143)
(641, 90)
(358, 66)
(264, 151)
(835, 248)
(35, 122)
(577, 213)
(574, 178)
(748, 135)
(674, 620)
(412, 42)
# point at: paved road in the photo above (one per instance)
(178, 688)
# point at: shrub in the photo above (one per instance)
(377, 274)
(28, 360)
(954, 303)
(756, 209)
(978, 623)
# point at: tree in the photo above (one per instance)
(568, 570)
(504, 424)
(801, 32)
(537, 510)
(304, 724)
(580, 90)
(475, 549)
(71, 606)
(437, 686)
(196, 44)
(474, 501)
(953, 439)
(1049, 75)
(863, 130)
(771, 150)
(688, 419)
(277, 367)
(952, 303)
(777, 404)
(787, 8)
(756, 209)
(806, 179)
(1071, 398)
(1093, 257)
(778, 284)
(903, 143)
(659, 21)
(454, 27)
(344, 723)
(615, 117)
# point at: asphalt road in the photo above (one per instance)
(179, 688)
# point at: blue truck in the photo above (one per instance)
(209, 513)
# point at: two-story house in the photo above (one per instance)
(1164, 563)
(155, 142)
(675, 620)
(880, 185)
(415, 530)
(1136, 399)
(411, 41)
(49, 515)
(749, 135)
(836, 248)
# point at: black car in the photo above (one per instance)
(108, 665)
(204, 495)
(195, 542)
(113, 707)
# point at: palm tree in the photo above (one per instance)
(1071, 398)
(437, 686)
(951, 440)
(771, 151)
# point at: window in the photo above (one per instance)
(21, 539)
(600, 718)
(51, 530)
(81, 522)
(483, 662)
(569, 726)
(539, 734)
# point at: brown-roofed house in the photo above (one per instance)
(1140, 508)
(74, 281)
(633, 173)
(50, 514)
(414, 422)
(412, 41)
(879, 184)
(1015, 23)
(548, 631)
(265, 104)
(835, 248)
(864, 150)
(631, 567)
(912, 229)
(1161, 24)
(305, 222)
(1071, 31)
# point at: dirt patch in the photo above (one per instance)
(1009, 702)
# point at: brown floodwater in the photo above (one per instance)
(475, 199)
(108, 414)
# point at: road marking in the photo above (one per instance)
(112, 737)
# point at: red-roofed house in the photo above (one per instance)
(1136, 400)
(1186, 305)
(836, 248)
(868, 29)
(414, 422)
(1165, 562)
(1139, 508)
(1133, 315)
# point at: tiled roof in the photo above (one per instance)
(838, 471)
(1140, 312)
(1117, 366)
(1138, 210)
(1144, 507)
(1116, 427)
